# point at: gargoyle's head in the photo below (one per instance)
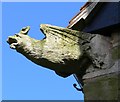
(19, 40)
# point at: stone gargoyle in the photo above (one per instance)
(63, 50)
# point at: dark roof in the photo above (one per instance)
(80, 13)
(85, 11)
(95, 17)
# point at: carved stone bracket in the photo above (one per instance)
(63, 50)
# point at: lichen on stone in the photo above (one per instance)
(63, 50)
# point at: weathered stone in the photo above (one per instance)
(63, 50)
(59, 51)
(102, 88)
(103, 84)
(116, 52)
(115, 36)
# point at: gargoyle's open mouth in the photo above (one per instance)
(12, 42)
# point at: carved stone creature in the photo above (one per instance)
(63, 50)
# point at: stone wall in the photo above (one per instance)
(103, 84)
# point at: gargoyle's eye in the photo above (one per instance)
(17, 35)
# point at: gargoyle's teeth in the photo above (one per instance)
(13, 45)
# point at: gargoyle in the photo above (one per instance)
(63, 50)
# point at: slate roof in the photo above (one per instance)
(94, 17)
(84, 13)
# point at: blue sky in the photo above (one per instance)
(22, 79)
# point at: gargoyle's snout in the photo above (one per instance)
(12, 42)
